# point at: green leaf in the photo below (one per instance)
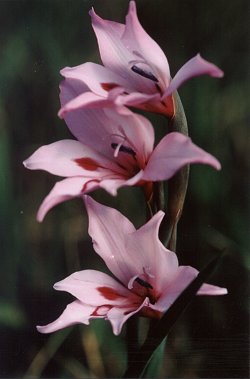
(160, 329)
(153, 367)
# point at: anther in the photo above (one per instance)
(124, 149)
(145, 74)
(143, 283)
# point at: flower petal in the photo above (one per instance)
(99, 79)
(173, 152)
(194, 67)
(66, 158)
(183, 278)
(109, 230)
(98, 128)
(75, 313)
(65, 190)
(136, 39)
(137, 130)
(113, 53)
(118, 316)
(113, 184)
(86, 99)
(209, 289)
(150, 255)
(116, 56)
(96, 288)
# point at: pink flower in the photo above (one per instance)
(149, 277)
(135, 72)
(113, 150)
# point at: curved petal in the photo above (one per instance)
(109, 230)
(70, 158)
(99, 79)
(150, 255)
(86, 99)
(118, 316)
(136, 39)
(113, 52)
(173, 152)
(209, 289)
(87, 125)
(75, 313)
(116, 56)
(99, 128)
(194, 67)
(96, 288)
(113, 184)
(65, 190)
(183, 278)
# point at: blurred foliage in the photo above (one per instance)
(37, 39)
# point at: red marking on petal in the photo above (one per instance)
(87, 163)
(109, 86)
(109, 293)
(101, 311)
(85, 186)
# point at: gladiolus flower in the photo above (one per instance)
(149, 277)
(113, 150)
(135, 72)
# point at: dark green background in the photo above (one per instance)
(37, 39)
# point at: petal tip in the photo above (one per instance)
(42, 211)
(26, 163)
(61, 113)
(41, 329)
(132, 6)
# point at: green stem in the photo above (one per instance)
(177, 185)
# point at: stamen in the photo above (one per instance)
(143, 283)
(122, 148)
(145, 74)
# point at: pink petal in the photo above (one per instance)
(209, 289)
(112, 50)
(183, 278)
(86, 99)
(98, 128)
(150, 255)
(64, 158)
(116, 56)
(194, 67)
(118, 316)
(138, 131)
(65, 190)
(109, 230)
(95, 288)
(173, 152)
(95, 76)
(87, 125)
(113, 184)
(75, 313)
(136, 39)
